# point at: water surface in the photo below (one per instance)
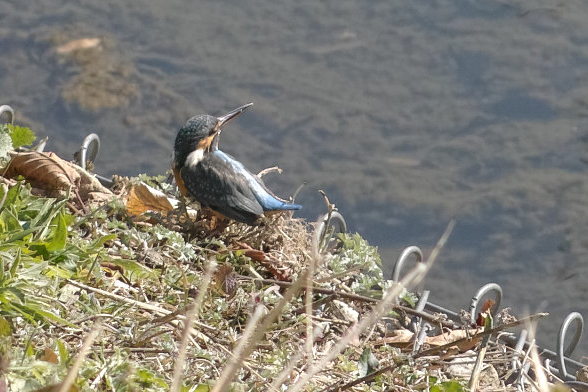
(407, 114)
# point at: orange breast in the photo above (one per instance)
(180, 182)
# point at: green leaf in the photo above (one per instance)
(53, 271)
(40, 249)
(44, 214)
(410, 298)
(5, 329)
(133, 268)
(100, 241)
(36, 309)
(16, 293)
(63, 353)
(60, 236)
(10, 221)
(357, 254)
(20, 235)
(21, 136)
(146, 378)
(367, 362)
(30, 352)
(447, 386)
(12, 195)
(15, 263)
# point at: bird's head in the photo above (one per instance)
(199, 136)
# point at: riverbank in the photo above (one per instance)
(130, 288)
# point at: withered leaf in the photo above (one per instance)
(487, 305)
(400, 338)
(45, 170)
(452, 336)
(143, 198)
(274, 266)
(226, 280)
(484, 312)
(49, 356)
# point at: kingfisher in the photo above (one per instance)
(217, 180)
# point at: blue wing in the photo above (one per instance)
(213, 183)
(267, 200)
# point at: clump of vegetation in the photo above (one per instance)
(12, 137)
(158, 299)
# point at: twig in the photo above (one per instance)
(317, 247)
(98, 378)
(331, 320)
(239, 353)
(313, 262)
(192, 313)
(287, 371)
(315, 304)
(367, 378)
(358, 297)
(130, 301)
(244, 364)
(143, 350)
(473, 383)
(540, 376)
(73, 371)
(297, 191)
(269, 170)
(412, 277)
(231, 369)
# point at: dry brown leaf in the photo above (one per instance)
(449, 353)
(487, 305)
(113, 270)
(451, 336)
(226, 280)
(484, 312)
(274, 266)
(143, 198)
(49, 356)
(78, 44)
(400, 338)
(89, 186)
(255, 254)
(43, 169)
(48, 172)
(404, 338)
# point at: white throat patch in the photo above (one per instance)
(195, 157)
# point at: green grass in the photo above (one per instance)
(62, 274)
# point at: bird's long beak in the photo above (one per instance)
(231, 115)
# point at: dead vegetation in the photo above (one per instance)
(141, 291)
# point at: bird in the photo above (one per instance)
(217, 180)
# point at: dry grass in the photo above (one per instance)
(248, 324)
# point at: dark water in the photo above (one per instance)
(407, 114)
